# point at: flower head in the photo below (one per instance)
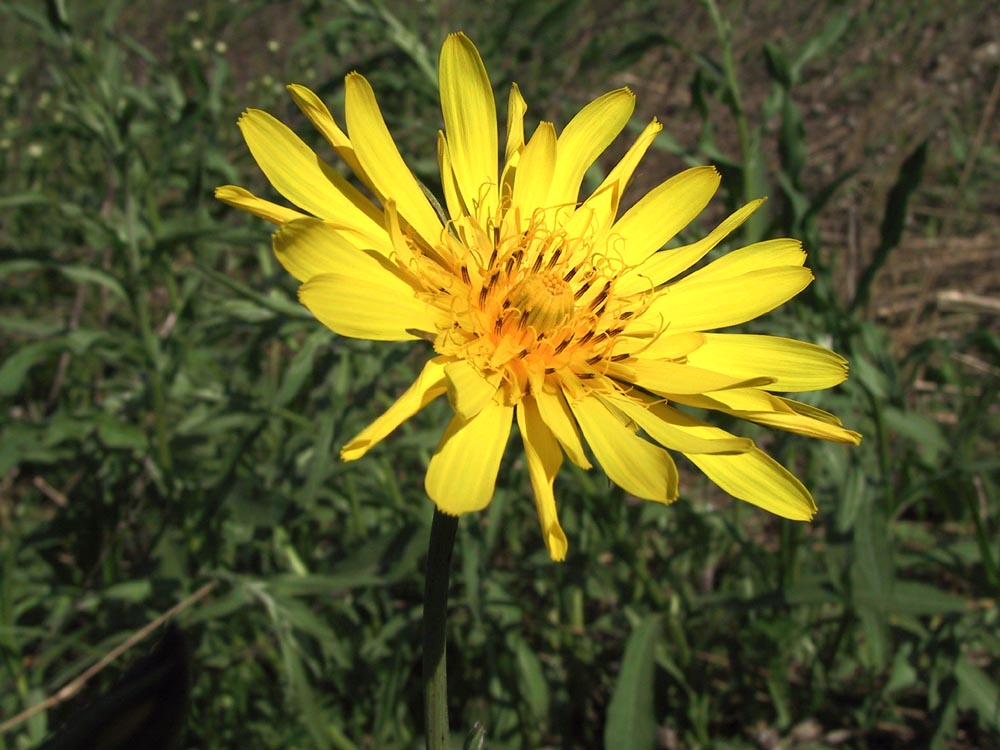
(543, 309)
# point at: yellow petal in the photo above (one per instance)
(319, 115)
(544, 459)
(663, 212)
(760, 480)
(665, 265)
(634, 464)
(468, 390)
(622, 172)
(692, 306)
(534, 171)
(470, 121)
(665, 346)
(381, 161)
(309, 247)
(247, 201)
(452, 197)
(795, 365)
(818, 417)
(618, 179)
(554, 411)
(672, 428)
(590, 221)
(463, 470)
(803, 425)
(430, 384)
(302, 177)
(380, 306)
(773, 411)
(666, 377)
(516, 107)
(585, 138)
(760, 255)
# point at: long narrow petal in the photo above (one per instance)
(554, 411)
(763, 408)
(544, 458)
(760, 480)
(245, 200)
(462, 473)
(516, 107)
(618, 179)
(430, 384)
(693, 306)
(660, 267)
(452, 196)
(795, 365)
(671, 428)
(381, 161)
(470, 121)
(380, 307)
(768, 254)
(468, 390)
(671, 377)
(534, 171)
(634, 464)
(310, 247)
(302, 177)
(585, 138)
(663, 212)
(319, 115)
(663, 346)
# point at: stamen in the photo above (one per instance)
(587, 376)
(465, 275)
(595, 359)
(586, 337)
(619, 357)
(482, 296)
(600, 337)
(538, 264)
(569, 276)
(554, 259)
(626, 315)
(603, 295)
(563, 344)
(493, 258)
(582, 290)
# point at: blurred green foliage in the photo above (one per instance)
(171, 415)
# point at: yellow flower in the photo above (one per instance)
(540, 308)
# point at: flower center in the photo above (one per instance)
(544, 300)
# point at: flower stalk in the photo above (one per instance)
(435, 670)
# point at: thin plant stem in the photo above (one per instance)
(435, 629)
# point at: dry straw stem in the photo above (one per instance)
(74, 686)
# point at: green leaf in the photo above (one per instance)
(534, 687)
(893, 220)
(979, 692)
(631, 721)
(916, 598)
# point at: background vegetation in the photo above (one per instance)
(171, 416)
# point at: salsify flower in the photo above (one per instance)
(542, 308)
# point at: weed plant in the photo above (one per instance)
(171, 416)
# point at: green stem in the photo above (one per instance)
(435, 629)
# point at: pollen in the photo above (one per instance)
(545, 301)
